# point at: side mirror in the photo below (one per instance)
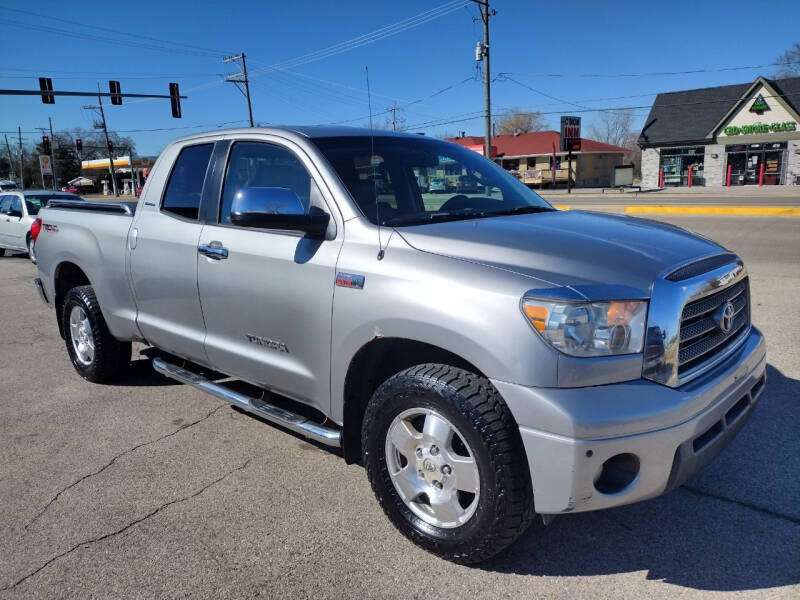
(276, 208)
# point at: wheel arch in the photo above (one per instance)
(67, 275)
(374, 363)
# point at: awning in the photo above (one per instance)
(122, 162)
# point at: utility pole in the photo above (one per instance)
(394, 108)
(21, 160)
(241, 78)
(486, 14)
(53, 154)
(108, 141)
(10, 156)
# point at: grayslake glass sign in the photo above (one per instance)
(761, 128)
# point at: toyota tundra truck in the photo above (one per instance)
(486, 357)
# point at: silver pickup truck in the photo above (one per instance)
(485, 356)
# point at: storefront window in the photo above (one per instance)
(679, 162)
(750, 163)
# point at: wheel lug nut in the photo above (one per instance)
(437, 485)
(422, 474)
(447, 470)
(434, 450)
(419, 453)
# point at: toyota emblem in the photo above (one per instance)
(725, 316)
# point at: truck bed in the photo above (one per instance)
(92, 236)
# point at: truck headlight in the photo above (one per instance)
(589, 328)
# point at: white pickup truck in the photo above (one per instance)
(485, 356)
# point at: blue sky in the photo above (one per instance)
(529, 39)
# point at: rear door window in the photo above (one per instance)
(185, 185)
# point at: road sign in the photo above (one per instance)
(570, 134)
(45, 165)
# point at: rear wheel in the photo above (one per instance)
(96, 355)
(31, 251)
(446, 462)
(2, 251)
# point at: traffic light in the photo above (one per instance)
(175, 100)
(110, 147)
(116, 92)
(79, 144)
(45, 144)
(46, 87)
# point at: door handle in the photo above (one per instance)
(213, 250)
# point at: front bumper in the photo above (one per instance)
(597, 447)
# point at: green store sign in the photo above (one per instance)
(761, 128)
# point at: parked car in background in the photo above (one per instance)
(7, 184)
(438, 185)
(467, 185)
(18, 210)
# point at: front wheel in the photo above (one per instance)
(96, 355)
(446, 462)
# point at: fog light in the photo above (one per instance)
(618, 472)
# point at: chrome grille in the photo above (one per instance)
(701, 336)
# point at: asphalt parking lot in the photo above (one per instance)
(150, 489)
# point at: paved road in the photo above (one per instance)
(149, 489)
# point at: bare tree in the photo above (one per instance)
(634, 154)
(516, 121)
(790, 62)
(612, 127)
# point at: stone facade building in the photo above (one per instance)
(744, 134)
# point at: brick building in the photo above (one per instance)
(529, 156)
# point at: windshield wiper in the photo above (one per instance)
(520, 210)
(434, 218)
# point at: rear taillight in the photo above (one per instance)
(36, 227)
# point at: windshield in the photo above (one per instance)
(410, 181)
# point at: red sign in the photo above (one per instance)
(479, 149)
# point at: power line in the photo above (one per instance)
(137, 35)
(411, 103)
(106, 40)
(505, 77)
(368, 38)
(476, 115)
(651, 74)
(95, 76)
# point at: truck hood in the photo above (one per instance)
(566, 248)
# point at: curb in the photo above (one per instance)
(773, 211)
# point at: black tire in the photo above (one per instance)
(474, 407)
(2, 251)
(31, 250)
(111, 358)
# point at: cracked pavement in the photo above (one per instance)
(151, 489)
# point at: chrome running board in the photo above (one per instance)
(297, 423)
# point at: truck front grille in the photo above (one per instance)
(702, 335)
